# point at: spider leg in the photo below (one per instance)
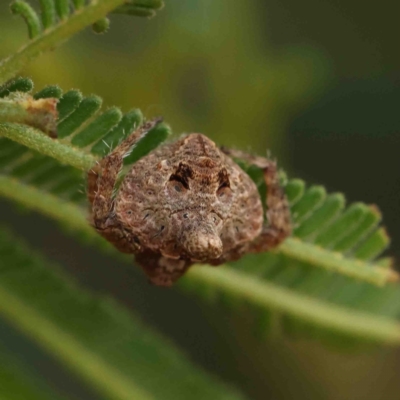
(278, 225)
(103, 176)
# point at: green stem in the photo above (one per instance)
(12, 111)
(54, 36)
(271, 296)
(265, 294)
(36, 140)
(292, 247)
(69, 215)
(335, 261)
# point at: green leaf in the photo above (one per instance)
(78, 4)
(16, 85)
(68, 103)
(319, 220)
(331, 263)
(128, 124)
(48, 13)
(79, 126)
(140, 8)
(101, 26)
(69, 22)
(326, 213)
(272, 285)
(93, 336)
(48, 92)
(310, 201)
(98, 128)
(87, 108)
(62, 7)
(279, 296)
(29, 15)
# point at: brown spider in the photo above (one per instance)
(183, 203)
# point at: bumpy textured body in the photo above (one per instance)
(185, 202)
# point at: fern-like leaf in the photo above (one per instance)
(293, 295)
(20, 84)
(325, 234)
(321, 278)
(58, 21)
(93, 336)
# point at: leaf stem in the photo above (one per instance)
(37, 140)
(13, 111)
(274, 297)
(69, 215)
(337, 262)
(52, 37)
(265, 294)
(292, 247)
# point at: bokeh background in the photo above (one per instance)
(316, 83)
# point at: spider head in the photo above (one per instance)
(199, 193)
(201, 198)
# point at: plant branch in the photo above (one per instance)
(254, 291)
(66, 213)
(37, 140)
(52, 37)
(293, 248)
(335, 261)
(268, 295)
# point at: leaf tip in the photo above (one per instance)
(375, 210)
(101, 26)
(30, 16)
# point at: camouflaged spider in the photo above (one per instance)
(183, 203)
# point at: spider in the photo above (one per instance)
(185, 202)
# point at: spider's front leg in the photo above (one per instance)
(102, 180)
(278, 225)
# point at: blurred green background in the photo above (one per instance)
(316, 83)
